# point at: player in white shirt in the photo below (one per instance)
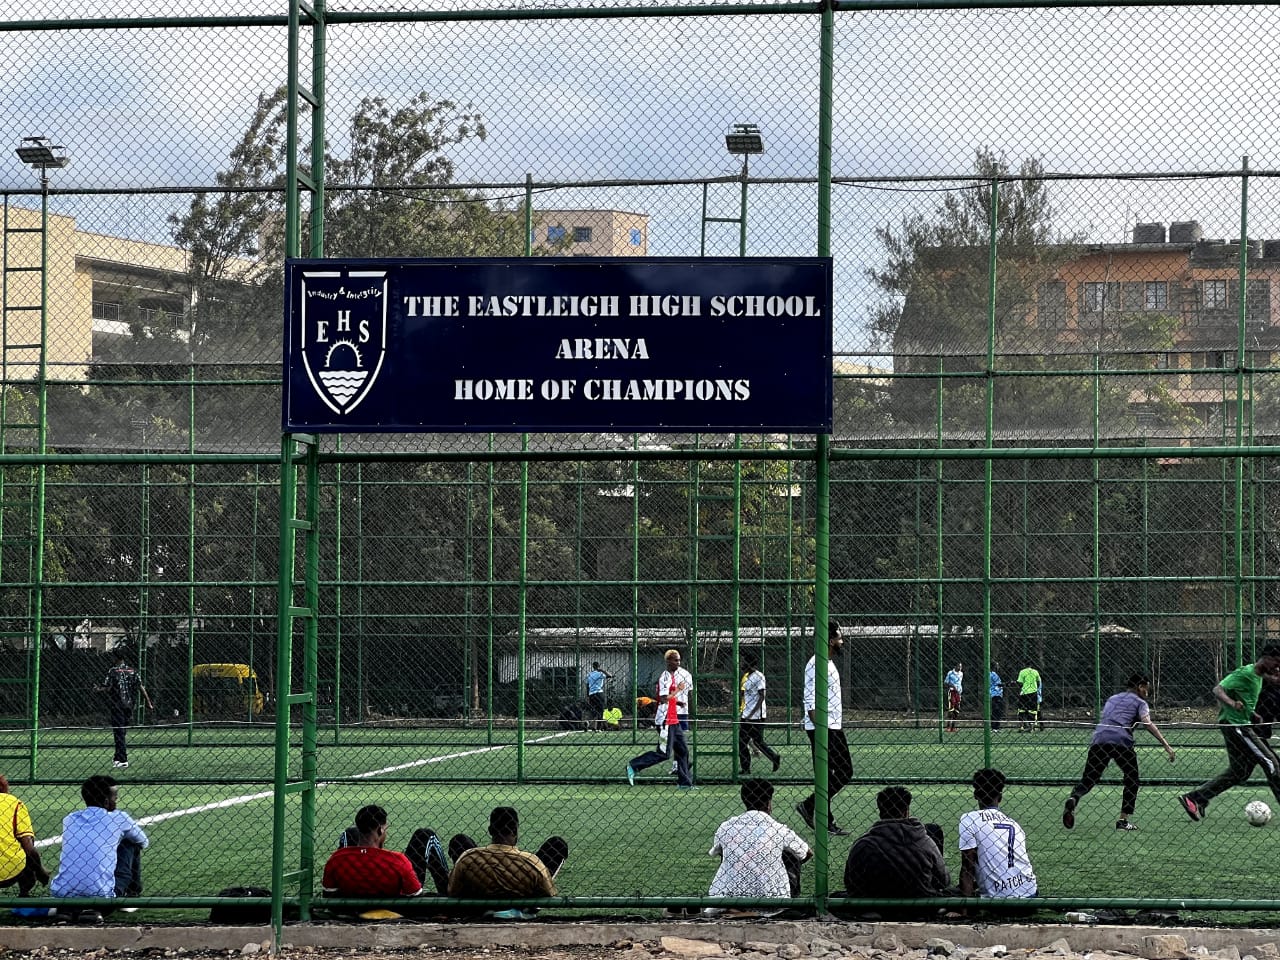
(759, 857)
(752, 715)
(839, 763)
(993, 846)
(672, 720)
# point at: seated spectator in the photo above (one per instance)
(759, 857)
(101, 847)
(899, 856)
(362, 867)
(501, 870)
(19, 859)
(993, 846)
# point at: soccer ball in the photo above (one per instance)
(1257, 813)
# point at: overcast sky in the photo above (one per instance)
(1088, 91)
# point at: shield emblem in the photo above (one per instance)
(344, 333)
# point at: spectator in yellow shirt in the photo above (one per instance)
(19, 858)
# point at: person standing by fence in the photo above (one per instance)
(1028, 697)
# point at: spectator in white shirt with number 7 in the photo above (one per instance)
(993, 846)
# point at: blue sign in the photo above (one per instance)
(558, 344)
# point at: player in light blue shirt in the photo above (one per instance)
(954, 689)
(995, 690)
(595, 694)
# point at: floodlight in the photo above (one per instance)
(744, 139)
(41, 153)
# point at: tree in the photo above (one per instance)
(935, 313)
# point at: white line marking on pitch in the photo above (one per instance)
(250, 797)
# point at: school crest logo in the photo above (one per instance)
(344, 333)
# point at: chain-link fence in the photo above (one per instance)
(1051, 469)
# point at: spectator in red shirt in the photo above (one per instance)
(361, 867)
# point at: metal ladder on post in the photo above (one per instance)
(739, 220)
(299, 452)
(23, 295)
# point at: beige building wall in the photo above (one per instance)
(591, 233)
(70, 337)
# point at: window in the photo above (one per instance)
(1213, 294)
(636, 236)
(555, 234)
(1097, 297)
(1166, 361)
(105, 310)
(1155, 295)
(581, 234)
(1051, 305)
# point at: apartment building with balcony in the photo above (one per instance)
(1167, 300)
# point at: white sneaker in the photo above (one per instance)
(119, 763)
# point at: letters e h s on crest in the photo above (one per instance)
(344, 333)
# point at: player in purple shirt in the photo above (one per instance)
(1113, 740)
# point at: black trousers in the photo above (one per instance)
(1100, 755)
(839, 767)
(1028, 709)
(997, 712)
(749, 732)
(120, 717)
(1245, 750)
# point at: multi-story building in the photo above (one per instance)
(1168, 300)
(104, 291)
(1177, 273)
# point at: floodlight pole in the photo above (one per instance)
(742, 209)
(40, 154)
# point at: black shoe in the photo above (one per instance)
(805, 814)
(1123, 824)
(835, 830)
(89, 916)
(777, 762)
(1069, 813)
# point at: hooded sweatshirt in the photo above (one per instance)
(896, 858)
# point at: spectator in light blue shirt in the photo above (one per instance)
(995, 690)
(101, 846)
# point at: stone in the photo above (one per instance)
(936, 946)
(1164, 946)
(789, 951)
(251, 948)
(760, 946)
(1265, 951)
(757, 955)
(1231, 952)
(820, 947)
(683, 947)
(1061, 946)
(887, 942)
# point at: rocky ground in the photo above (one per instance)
(836, 942)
